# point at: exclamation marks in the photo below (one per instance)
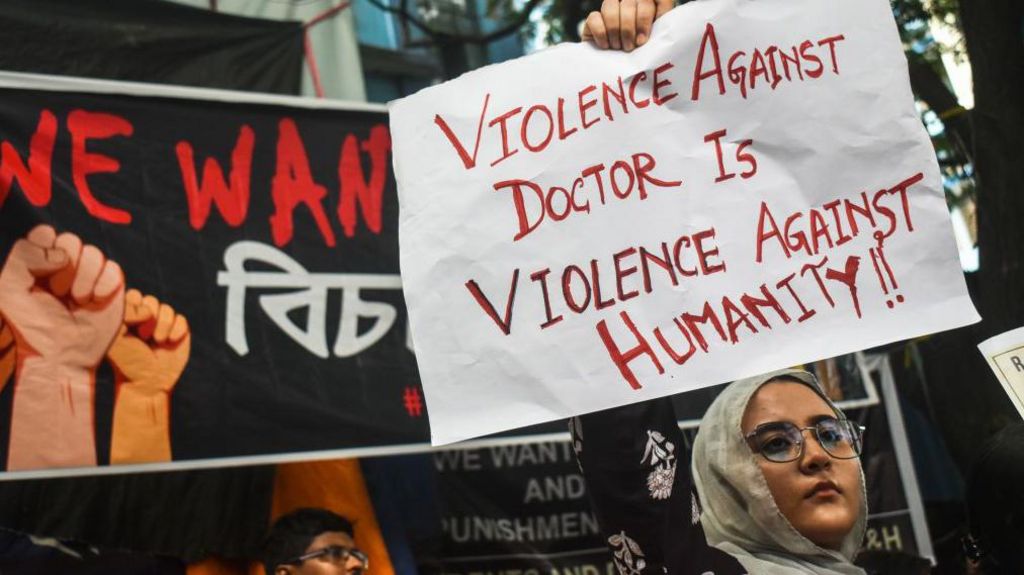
(880, 263)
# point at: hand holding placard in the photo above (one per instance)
(751, 189)
(623, 24)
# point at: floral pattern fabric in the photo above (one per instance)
(636, 466)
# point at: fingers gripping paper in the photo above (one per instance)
(752, 189)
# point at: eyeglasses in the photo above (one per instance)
(781, 441)
(338, 555)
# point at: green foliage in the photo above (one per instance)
(915, 19)
(550, 23)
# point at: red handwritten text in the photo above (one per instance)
(836, 222)
(557, 203)
(533, 128)
(770, 66)
(728, 320)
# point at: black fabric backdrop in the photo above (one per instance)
(187, 514)
(278, 397)
(184, 514)
(151, 41)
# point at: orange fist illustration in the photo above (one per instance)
(152, 345)
(63, 302)
(149, 354)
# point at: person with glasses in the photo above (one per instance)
(312, 541)
(774, 486)
(776, 467)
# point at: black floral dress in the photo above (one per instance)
(636, 464)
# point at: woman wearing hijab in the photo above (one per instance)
(775, 486)
(777, 467)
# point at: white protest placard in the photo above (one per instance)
(752, 189)
(1005, 355)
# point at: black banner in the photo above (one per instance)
(208, 278)
(519, 509)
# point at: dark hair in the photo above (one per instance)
(292, 533)
(995, 501)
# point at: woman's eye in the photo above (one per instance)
(777, 444)
(830, 435)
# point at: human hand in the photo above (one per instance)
(63, 299)
(625, 24)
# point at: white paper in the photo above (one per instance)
(842, 128)
(1005, 355)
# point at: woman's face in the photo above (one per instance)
(818, 494)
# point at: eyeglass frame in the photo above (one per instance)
(343, 554)
(855, 427)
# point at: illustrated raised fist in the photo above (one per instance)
(62, 299)
(152, 345)
(148, 355)
(62, 302)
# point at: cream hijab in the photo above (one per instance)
(739, 515)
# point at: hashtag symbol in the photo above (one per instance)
(413, 402)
